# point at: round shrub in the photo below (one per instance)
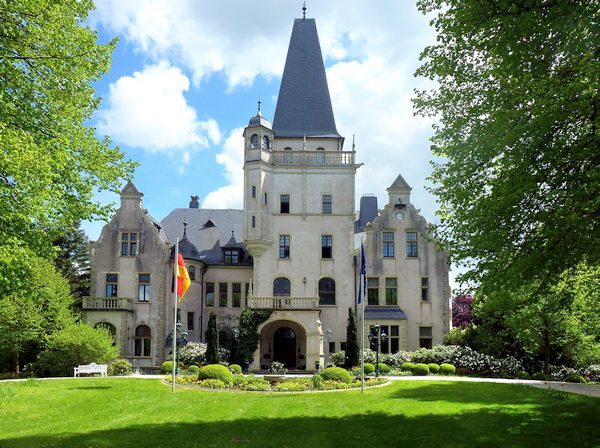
(236, 369)
(447, 369)
(166, 367)
(433, 367)
(215, 372)
(120, 367)
(193, 369)
(420, 369)
(369, 368)
(575, 379)
(336, 374)
(407, 366)
(540, 376)
(384, 369)
(523, 375)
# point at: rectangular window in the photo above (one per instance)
(231, 257)
(394, 338)
(266, 198)
(246, 292)
(142, 346)
(222, 294)
(326, 204)
(129, 243)
(284, 203)
(412, 247)
(342, 346)
(253, 221)
(284, 246)
(326, 246)
(425, 337)
(332, 347)
(254, 191)
(210, 294)
(236, 294)
(385, 345)
(372, 291)
(424, 288)
(111, 285)
(391, 291)
(387, 244)
(191, 317)
(143, 287)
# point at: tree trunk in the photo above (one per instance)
(16, 363)
(546, 348)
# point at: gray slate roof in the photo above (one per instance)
(304, 104)
(384, 312)
(207, 239)
(367, 213)
(399, 184)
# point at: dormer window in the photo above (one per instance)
(266, 142)
(254, 141)
(231, 256)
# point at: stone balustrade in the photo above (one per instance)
(283, 303)
(313, 158)
(106, 303)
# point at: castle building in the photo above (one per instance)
(292, 249)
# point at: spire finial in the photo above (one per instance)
(353, 146)
(258, 113)
(185, 223)
(304, 9)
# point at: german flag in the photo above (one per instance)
(183, 279)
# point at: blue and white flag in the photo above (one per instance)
(363, 275)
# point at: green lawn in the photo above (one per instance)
(97, 412)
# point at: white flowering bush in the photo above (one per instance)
(337, 358)
(193, 353)
(592, 372)
(395, 359)
(561, 373)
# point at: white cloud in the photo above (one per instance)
(148, 110)
(232, 159)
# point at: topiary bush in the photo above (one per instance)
(575, 378)
(193, 369)
(369, 368)
(447, 369)
(407, 366)
(420, 369)
(523, 375)
(384, 369)
(215, 372)
(120, 367)
(433, 367)
(236, 369)
(166, 367)
(336, 374)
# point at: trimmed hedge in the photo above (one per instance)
(369, 368)
(215, 372)
(575, 379)
(166, 367)
(420, 369)
(540, 376)
(384, 369)
(433, 367)
(336, 374)
(193, 369)
(236, 369)
(447, 369)
(523, 375)
(407, 366)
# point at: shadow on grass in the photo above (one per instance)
(89, 388)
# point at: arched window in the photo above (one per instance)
(143, 338)
(192, 272)
(287, 155)
(327, 291)
(281, 287)
(320, 156)
(254, 141)
(266, 142)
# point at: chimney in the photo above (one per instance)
(194, 202)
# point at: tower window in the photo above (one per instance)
(326, 246)
(425, 337)
(284, 203)
(287, 155)
(388, 244)
(412, 246)
(266, 199)
(192, 272)
(254, 141)
(284, 246)
(143, 287)
(320, 156)
(266, 142)
(129, 244)
(327, 291)
(254, 191)
(253, 221)
(326, 204)
(424, 288)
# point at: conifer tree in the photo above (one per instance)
(212, 343)
(351, 358)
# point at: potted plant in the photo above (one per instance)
(276, 373)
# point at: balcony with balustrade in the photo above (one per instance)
(312, 158)
(282, 303)
(106, 304)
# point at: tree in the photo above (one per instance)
(351, 357)
(51, 164)
(212, 340)
(73, 260)
(79, 343)
(35, 301)
(461, 310)
(518, 174)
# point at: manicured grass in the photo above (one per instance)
(114, 412)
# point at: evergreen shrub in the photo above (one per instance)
(447, 369)
(215, 372)
(236, 369)
(193, 369)
(120, 367)
(433, 367)
(336, 374)
(575, 378)
(338, 358)
(384, 369)
(540, 376)
(166, 367)
(407, 366)
(523, 375)
(420, 369)
(369, 368)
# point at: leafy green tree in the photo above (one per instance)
(79, 343)
(35, 301)
(212, 340)
(351, 357)
(249, 338)
(517, 103)
(51, 164)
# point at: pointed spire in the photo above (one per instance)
(258, 112)
(304, 10)
(353, 146)
(185, 223)
(304, 103)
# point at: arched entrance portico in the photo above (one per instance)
(284, 347)
(283, 341)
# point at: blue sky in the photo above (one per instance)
(187, 74)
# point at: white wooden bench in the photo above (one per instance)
(91, 368)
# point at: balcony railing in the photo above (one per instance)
(313, 158)
(106, 303)
(283, 303)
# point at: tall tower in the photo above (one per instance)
(299, 205)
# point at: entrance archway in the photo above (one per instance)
(284, 347)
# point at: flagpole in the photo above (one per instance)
(362, 318)
(175, 269)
